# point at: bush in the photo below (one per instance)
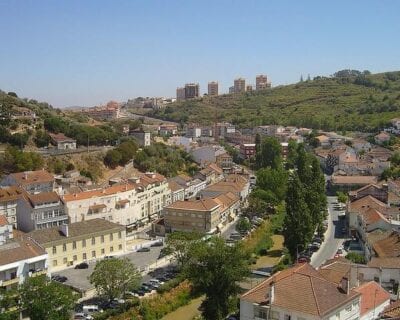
(356, 258)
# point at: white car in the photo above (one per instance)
(82, 316)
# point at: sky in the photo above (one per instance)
(85, 53)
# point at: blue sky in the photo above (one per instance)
(88, 52)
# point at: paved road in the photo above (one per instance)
(333, 237)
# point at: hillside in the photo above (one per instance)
(355, 101)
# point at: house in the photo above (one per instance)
(396, 123)
(235, 183)
(348, 183)
(382, 138)
(167, 129)
(388, 247)
(221, 129)
(239, 138)
(142, 137)
(177, 191)
(374, 299)
(376, 191)
(207, 154)
(300, 292)
(224, 160)
(192, 186)
(133, 202)
(71, 244)
(360, 145)
(193, 131)
(208, 215)
(324, 141)
(30, 181)
(40, 211)
(20, 257)
(211, 174)
(9, 197)
(63, 142)
(247, 150)
(109, 112)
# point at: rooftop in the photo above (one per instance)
(318, 295)
(366, 203)
(372, 296)
(29, 177)
(361, 180)
(60, 137)
(386, 262)
(389, 247)
(10, 194)
(3, 220)
(77, 229)
(335, 269)
(43, 197)
(206, 204)
(392, 311)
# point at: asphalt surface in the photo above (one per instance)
(333, 236)
(79, 278)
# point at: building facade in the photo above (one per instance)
(9, 197)
(62, 142)
(180, 94)
(84, 241)
(213, 88)
(143, 138)
(30, 181)
(239, 85)
(261, 82)
(192, 90)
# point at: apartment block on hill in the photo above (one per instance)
(74, 243)
(30, 181)
(9, 197)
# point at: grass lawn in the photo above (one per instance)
(274, 254)
(187, 312)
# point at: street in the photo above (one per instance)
(333, 237)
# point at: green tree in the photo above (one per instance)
(112, 158)
(243, 225)
(270, 153)
(5, 115)
(273, 181)
(178, 244)
(127, 149)
(113, 277)
(298, 228)
(42, 139)
(356, 257)
(342, 197)
(215, 269)
(42, 298)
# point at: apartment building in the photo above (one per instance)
(300, 293)
(191, 186)
(213, 88)
(109, 112)
(135, 201)
(262, 82)
(30, 181)
(9, 197)
(239, 85)
(247, 150)
(192, 90)
(168, 129)
(20, 257)
(235, 183)
(74, 243)
(180, 94)
(142, 137)
(40, 211)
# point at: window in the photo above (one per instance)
(64, 247)
(111, 249)
(84, 256)
(75, 258)
(54, 250)
(54, 263)
(111, 237)
(102, 251)
(83, 243)
(349, 308)
(355, 304)
(65, 260)
(93, 241)
(93, 254)
(102, 239)
(119, 235)
(74, 245)
(120, 247)
(275, 315)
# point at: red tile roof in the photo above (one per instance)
(392, 311)
(372, 296)
(389, 247)
(28, 177)
(3, 220)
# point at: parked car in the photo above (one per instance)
(82, 316)
(91, 308)
(82, 265)
(59, 278)
(144, 249)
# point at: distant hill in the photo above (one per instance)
(349, 100)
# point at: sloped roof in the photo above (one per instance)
(392, 311)
(28, 177)
(99, 192)
(10, 193)
(174, 186)
(366, 203)
(301, 289)
(335, 269)
(371, 216)
(372, 296)
(3, 220)
(389, 247)
(206, 204)
(385, 262)
(354, 180)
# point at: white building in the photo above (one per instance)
(300, 293)
(137, 201)
(207, 154)
(31, 181)
(9, 197)
(63, 142)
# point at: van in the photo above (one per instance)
(90, 308)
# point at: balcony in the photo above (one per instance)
(6, 283)
(37, 273)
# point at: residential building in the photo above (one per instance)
(142, 137)
(374, 299)
(21, 113)
(177, 191)
(238, 138)
(40, 211)
(388, 247)
(348, 183)
(192, 90)
(224, 161)
(168, 130)
(63, 142)
(239, 85)
(211, 174)
(191, 186)
(261, 82)
(135, 201)
(20, 257)
(180, 94)
(232, 89)
(30, 181)
(249, 88)
(207, 215)
(221, 129)
(392, 312)
(74, 243)
(378, 192)
(207, 154)
(396, 123)
(235, 183)
(9, 197)
(299, 293)
(247, 150)
(213, 88)
(193, 131)
(109, 112)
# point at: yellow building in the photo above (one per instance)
(78, 242)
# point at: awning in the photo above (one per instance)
(122, 202)
(97, 207)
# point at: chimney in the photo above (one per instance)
(345, 285)
(271, 293)
(64, 230)
(385, 187)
